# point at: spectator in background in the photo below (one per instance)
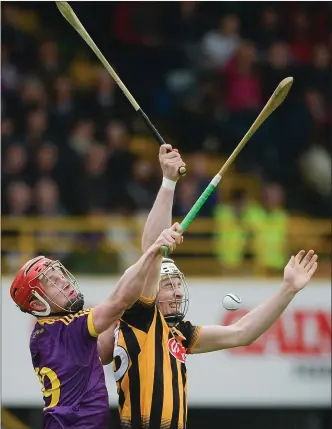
(120, 160)
(232, 235)
(50, 162)
(47, 203)
(320, 71)
(47, 164)
(33, 95)
(219, 45)
(278, 67)
(17, 202)
(15, 164)
(315, 104)
(9, 73)
(63, 108)
(182, 28)
(18, 199)
(82, 71)
(246, 228)
(137, 24)
(37, 131)
(7, 132)
(82, 137)
(46, 161)
(94, 185)
(243, 91)
(143, 186)
(301, 39)
(105, 89)
(124, 20)
(270, 29)
(47, 198)
(268, 224)
(49, 64)
(243, 101)
(197, 110)
(184, 23)
(104, 97)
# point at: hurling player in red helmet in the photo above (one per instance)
(65, 342)
(44, 287)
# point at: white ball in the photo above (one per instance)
(231, 302)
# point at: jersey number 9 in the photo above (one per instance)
(54, 391)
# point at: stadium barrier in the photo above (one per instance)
(113, 242)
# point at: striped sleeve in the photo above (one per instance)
(191, 333)
(140, 315)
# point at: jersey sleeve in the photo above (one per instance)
(80, 326)
(140, 315)
(191, 334)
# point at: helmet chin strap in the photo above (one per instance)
(44, 313)
(173, 319)
(76, 306)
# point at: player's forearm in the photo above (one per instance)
(151, 282)
(160, 217)
(260, 319)
(130, 286)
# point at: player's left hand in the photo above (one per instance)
(299, 270)
(170, 161)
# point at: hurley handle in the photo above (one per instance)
(161, 141)
(194, 210)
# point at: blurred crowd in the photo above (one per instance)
(72, 144)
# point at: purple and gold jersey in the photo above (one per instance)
(65, 358)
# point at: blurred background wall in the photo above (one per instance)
(80, 171)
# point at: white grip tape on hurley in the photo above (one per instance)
(216, 180)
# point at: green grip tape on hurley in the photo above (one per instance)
(197, 206)
(195, 209)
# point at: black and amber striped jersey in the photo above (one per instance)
(150, 368)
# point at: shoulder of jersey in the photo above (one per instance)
(66, 320)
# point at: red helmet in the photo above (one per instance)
(27, 286)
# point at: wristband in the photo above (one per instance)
(168, 184)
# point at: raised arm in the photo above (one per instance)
(297, 274)
(160, 216)
(130, 286)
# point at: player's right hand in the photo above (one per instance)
(170, 238)
(299, 270)
(170, 161)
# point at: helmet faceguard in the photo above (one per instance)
(178, 302)
(31, 283)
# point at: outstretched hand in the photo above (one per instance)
(299, 270)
